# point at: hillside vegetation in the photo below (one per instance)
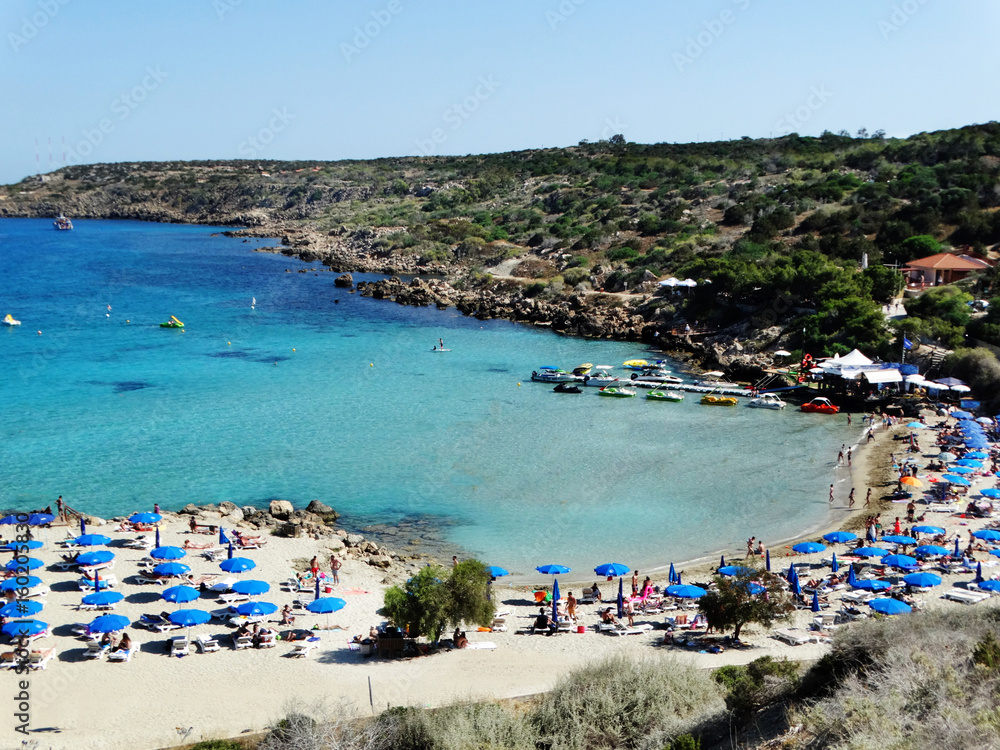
(778, 226)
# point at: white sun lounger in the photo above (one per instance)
(180, 646)
(242, 642)
(95, 650)
(39, 658)
(621, 629)
(305, 647)
(206, 644)
(966, 597)
(125, 655)
(795, 637)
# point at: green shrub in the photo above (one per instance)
(684, 742)
(573, 276)
(753, 686)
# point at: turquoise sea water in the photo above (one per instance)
(358, 412)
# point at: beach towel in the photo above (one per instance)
(482, 645)
(350, 591)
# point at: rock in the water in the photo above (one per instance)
(346, 281)
(281, 509)
(190, 510)
(324, 511)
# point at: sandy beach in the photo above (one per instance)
(156, 700)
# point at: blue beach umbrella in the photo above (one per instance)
(928, 530)
(979, 572)
(21, 628)
(251, 587)
(722, 561)
(992, 494)
(223, 539)
(732, 570)
(872, 584)
(930, 550)
(157, 543)
(31, 544)
(839, 537)
(97, 557)
(887, 606)
(851, 580)
(834, 565)
(168, 553)
(40, 519)
(180, 594)
(22, 564)
(316, 594)
(979, 455)
(916, 426)
(808, 548)
(621, 599)
(187, 618)
(171, 569)
(970, 463)
(257, 609)
(83, 525)
(899, 539)
(755, 588)
(957, 551)
(672, 576)
(552, 570)
(496, 571)
(995, 552)
(923, 580)
(109, 624)
(677, 580)
(326, 605)
(796, 588)
(20, 582)
(103, 598)
(229, 552)
(989, 535)
(979, 443)
(555, 598)
(871, 552)
(900, 561)
(685, 592)
(21, 608)
(10, 520)
(91, 540)
(145, 519)
(767, 560)
(989, 585)
(958, 413)
(612, 569)
(815, 602)
(237, 565)
(960, 470)
(952, 479)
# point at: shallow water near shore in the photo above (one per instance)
(322, 394)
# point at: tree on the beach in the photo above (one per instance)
(432, 599)
(733, 603)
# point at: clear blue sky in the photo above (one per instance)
(225, 79)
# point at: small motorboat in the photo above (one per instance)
(62, 223)
(767, 401)
(664, 396)
(549, 374)
(583, 369)
(711, 399)
(567, 388)
(615, 392)
(9, 320)
(820, 405)
(601, 376)
(172, 323)
(656, 375)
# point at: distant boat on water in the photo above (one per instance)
(253, 303)
(62, 223)
(9, 321)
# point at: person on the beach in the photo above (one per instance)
(848, 420)
(314, 566)
(840, 457)
(629, 613)
(193, 525)
(647, 588)
(895, 527)
(595, 592)
(850, 499)
(848, 458)
(871, 434)
(608, 617)
(544, 622)
(156, 508)
(760, 548)
(868, 497)
(125, 644)
(286, 615)
(831, 494)
(635, 583)
(454, 561)
(911, 509)
(571, 606)
(59, 506)
(335, 566)
(750, 547)
(441, 343)
(460, 639)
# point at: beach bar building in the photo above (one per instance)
(943, 268)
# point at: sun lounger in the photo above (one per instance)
(206, 644)
(95, 651)
(481, 645)
(65, 565)
(140, 543)
(158, 580)
(966, 597)
(214, 555)
(8, 660)
(180, 646)
(232, 598)
(623, 629)
(107, 582)
(39, 658)
(499, 624)
(122, 654)
(242, 641)
(304, 648)
(268, 640)
(795, 637)
(223, 585)
(826, 621)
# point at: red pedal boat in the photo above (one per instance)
(820, 405)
